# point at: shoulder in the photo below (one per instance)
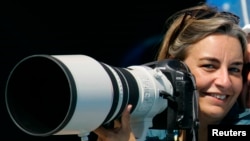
(238, 116)
(243, 117)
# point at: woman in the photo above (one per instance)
(213, 46)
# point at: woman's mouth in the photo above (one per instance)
(219, 96)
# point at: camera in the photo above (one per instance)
(75, 94)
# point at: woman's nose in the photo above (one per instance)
(223, 79)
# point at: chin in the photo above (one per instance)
(215, 113)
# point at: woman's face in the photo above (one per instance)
(216, 62)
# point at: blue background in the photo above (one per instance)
(238, 7)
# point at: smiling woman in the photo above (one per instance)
(213, 46)
(218, 74)
(215, 55)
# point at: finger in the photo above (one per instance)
(117, 124)
(99, 139)
(125, 121)
(101, 132)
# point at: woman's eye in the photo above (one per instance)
(234, 70)
(208, 66)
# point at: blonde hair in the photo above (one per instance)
(187, 29)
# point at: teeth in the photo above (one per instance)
(222, 97)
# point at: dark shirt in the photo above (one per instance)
(236, 116)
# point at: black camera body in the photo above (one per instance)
(181, 112)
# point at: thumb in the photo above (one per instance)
(101, 132)
(125, 120)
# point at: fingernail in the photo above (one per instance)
(129, 107)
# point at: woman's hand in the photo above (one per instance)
(121, 131)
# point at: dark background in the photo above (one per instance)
(117, 33)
